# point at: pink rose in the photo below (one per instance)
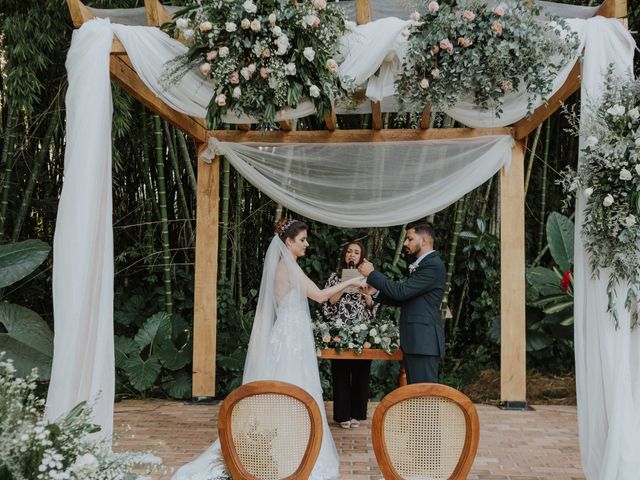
(326, 339)
(366, 345)
(315, 23)
(205, 68)
(497, 27)
(221, 100)
(433, 7)
(415, 16)
(435, 49)
(435, 73)
(320, 4)
(234, 78)
(245, 23)
(336, 339)
(499, 10)
(266, 53)
(507, 86)
(212, 55)
(252, 68)
(255, 25)
(464, 42)
(264, 73)
(468, 15)
(424, 84)
(446, 45)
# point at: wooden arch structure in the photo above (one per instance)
(512, 198)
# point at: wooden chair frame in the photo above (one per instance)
(225, 434)
(418, 390)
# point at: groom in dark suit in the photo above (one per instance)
(421, 331)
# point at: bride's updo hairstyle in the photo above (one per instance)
(289, 228)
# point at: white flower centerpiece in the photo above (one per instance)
(33, 448)
(609, 178)
(262, 56)
(379, 333)
(485, 52)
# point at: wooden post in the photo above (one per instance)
(206, 277)
(513, 384)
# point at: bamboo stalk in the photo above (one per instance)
(8, 161)
(532, 158)
(543, 186)
(186, 158)
(457, 228)
(235, 256)
(222, 272)
(162, 195)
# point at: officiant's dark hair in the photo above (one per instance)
(423, 228)
(363, 252)
(286, 228)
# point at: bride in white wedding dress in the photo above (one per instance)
(281, 345)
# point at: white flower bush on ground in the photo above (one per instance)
(35, 449)
(609, 177)
(261, 56)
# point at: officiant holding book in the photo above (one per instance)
(421, 330)
(350, 378)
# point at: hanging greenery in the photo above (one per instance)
(262, 57)
(481, 51)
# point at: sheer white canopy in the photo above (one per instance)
(317, 181)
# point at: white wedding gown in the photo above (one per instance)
(281, 348)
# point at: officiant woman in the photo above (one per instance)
(350, 378)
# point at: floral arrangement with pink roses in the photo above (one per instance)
(483, 51)
(262, 56)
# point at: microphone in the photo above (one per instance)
(352, 265)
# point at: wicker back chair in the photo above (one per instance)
(270, 430)
(425, 431)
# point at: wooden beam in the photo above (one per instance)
(376, 116)
(331, 120)
(525, 126)
(79, 12)
(156, 13)
(123, 73)
(206, 277)
(344, 136)
(425, 118)
(513, 380)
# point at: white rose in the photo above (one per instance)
(205, 68)
(274, 82)
(244, 71)
(637, 167)
(629, 221)
(373, 332)
(349, 25)
(249, 7)
(277, 31)
(309, 53)
(245, 23)
(255, 25)
(634, 113)
(383, 328)
(272, 19)
(283, 45)
(314, 91)
(290, 69)
(188, 34)
(616, 110)
(608, 200)
(591, 141)
(332, 65)
(588, 192)
(377, 340)
(252, 68)
(221, 100)
(625, 174)
(637, 142)
(230, 27)
(311, 20)
(205, 26)
(223, 52)
(351, 345)
(424, 84)
(236, 92)
(182, 23)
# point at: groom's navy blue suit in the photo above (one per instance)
(421, 331)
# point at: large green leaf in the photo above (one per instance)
(172, 358)
(560, 238)
(125, 347)
(544, 281)
(17, 260)
(28, 340)
(142, 373)
(155, 331)
(178, 385)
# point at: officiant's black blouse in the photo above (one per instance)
(351, 308)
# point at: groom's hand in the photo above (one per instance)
(366, 267)
(367, 290)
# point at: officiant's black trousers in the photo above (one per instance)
(350, 380)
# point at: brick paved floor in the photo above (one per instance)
(533, 445)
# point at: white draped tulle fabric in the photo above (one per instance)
(607, 359)
(83, 360)
(386, 183)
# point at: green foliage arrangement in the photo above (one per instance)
(483, 51)
(33, 448)
(24, 336)
(609, 179)
(262, 57)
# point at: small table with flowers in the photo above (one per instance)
(367, 354)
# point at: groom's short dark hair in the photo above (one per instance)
(424, 228)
